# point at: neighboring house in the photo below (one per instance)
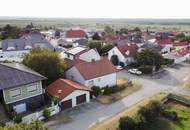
(15, 49)
(178, 55)
(164, 42)
(75, 34)
(81, 53)
(20, 87)
(70, 93)
(100, 73)
(81, 42)
(156, 47)
(125, 53)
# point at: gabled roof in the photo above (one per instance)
(75, 34)
(165, 41)
(128, 50)
(14, 75)
(70, 63)
(63, 87)
(94, 69)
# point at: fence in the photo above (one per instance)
(39, 115)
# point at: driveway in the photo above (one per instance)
(86, 115)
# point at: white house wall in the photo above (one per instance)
(120, 56)
(73, 74)
(88, 56)
(103, 81)
(76, 93)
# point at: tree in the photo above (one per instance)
(115, 60)
(46, 63)
(9, 31)
(106, 48)
(96, 44)
(150, 57)
(108, 29)
(96, 36)
(127, 123)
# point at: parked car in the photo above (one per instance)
(135, 71)
(119, 67)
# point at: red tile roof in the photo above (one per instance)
(183, 51)
(61, 88)
(180, 43)
(115, 38)
(94, 69)
(128, 50)
(70, 63)
(76, 34)
(165, 41)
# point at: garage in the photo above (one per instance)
(66, 104)
(81, 99)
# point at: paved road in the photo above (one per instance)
(88, 114)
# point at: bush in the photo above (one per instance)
(18, 119)
(146, 69)
(127, 123)
(170, 115)
(109, 90)
(46, 113)
(115, 60)
(168, 61)
(96, 90)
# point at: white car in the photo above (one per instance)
(119, 67)
(135, 71)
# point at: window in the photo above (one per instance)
(72, 77)
(15, 92)
(32, 88)
(91, 83)
(113, 52)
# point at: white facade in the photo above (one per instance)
(13, 55)
(90, 55)
(103, 81)
(166, 49)
(76, 93)
(121, 57)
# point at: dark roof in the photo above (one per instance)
(63, 87)
(152, 46)
(14, 74)
(81, 41)
(94, 69)
(27, 39)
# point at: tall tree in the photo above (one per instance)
(46, 63)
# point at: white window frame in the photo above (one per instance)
(15, 95)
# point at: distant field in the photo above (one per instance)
(160, 24)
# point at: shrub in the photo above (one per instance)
(46, 113)
(96, 90)
(146, 69)
(115, 60)
(127, 123)
(18, 119)
(171, 115)
(109, 90)
(168, 61)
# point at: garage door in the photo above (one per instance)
(66, 104)
(20, 108)
(81, 99)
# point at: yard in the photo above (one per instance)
(112, 123)
(182, 124)
(107, 99)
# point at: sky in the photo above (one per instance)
(96, 8)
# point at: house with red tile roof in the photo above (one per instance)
(100, 73)
(178, 55)
(69, 93)
(80, 54)
(75, 34)
(165, 41)
(125, 53)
